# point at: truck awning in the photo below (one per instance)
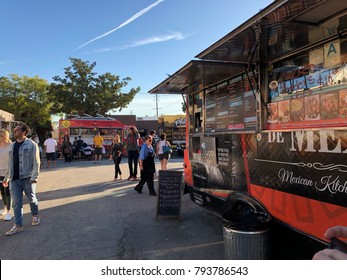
(198, 72)
(288, 25)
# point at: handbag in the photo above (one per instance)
(167, 149)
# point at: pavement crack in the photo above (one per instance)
(121, 245)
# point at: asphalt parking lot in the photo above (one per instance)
(86, 216)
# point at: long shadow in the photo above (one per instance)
(114, 225)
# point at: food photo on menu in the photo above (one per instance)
(329, 106)
(284, 111)
(272, 112)
(312, 108)
(343, 103)
(297, 109)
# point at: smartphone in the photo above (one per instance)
(338, 244)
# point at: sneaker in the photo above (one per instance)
(15, 229)
(35, 221)
(153, 194)
(8, 217)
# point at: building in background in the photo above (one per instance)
(175, 128)
(6, 120)
(146, 124)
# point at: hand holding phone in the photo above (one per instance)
(338, 244)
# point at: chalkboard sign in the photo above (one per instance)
(169, 197)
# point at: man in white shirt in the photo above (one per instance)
(50, 148)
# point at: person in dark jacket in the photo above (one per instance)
(66, 148)
(117, 154)
(133, 152)
(147, 167)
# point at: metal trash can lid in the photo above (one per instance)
(249, 220)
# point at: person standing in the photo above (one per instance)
(66, 148)
(154, 140)
(98, 140)
(133, 153)
(163, 157)
(179, 150)
(22, 172)
(114, 141)
(117, 157)
(79, 146)
(50, 150)
(147, 167)
(5, 144)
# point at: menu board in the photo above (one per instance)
(169, 197)
(210, 112)
(228, 107)
(222, 109)
(323, 109)
(250, 117)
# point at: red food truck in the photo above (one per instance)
(87, 127)
(267, 122)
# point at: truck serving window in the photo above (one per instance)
(309, 90)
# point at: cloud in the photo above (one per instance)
(156, 39)
(134, 17)
(101, 50)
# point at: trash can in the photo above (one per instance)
(246, 232)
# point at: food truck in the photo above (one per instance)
(87, 127)
(267, 122)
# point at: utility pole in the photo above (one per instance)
(156, 104)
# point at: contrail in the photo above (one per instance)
(137, 15)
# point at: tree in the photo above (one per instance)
(27, 99)
(81, 91)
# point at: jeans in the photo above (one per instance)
(133, 158)
(16, 188)
(5, 194)
(117, 170)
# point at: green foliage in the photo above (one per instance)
(27, 99)
(82, 91)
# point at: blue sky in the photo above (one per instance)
(141, 39)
